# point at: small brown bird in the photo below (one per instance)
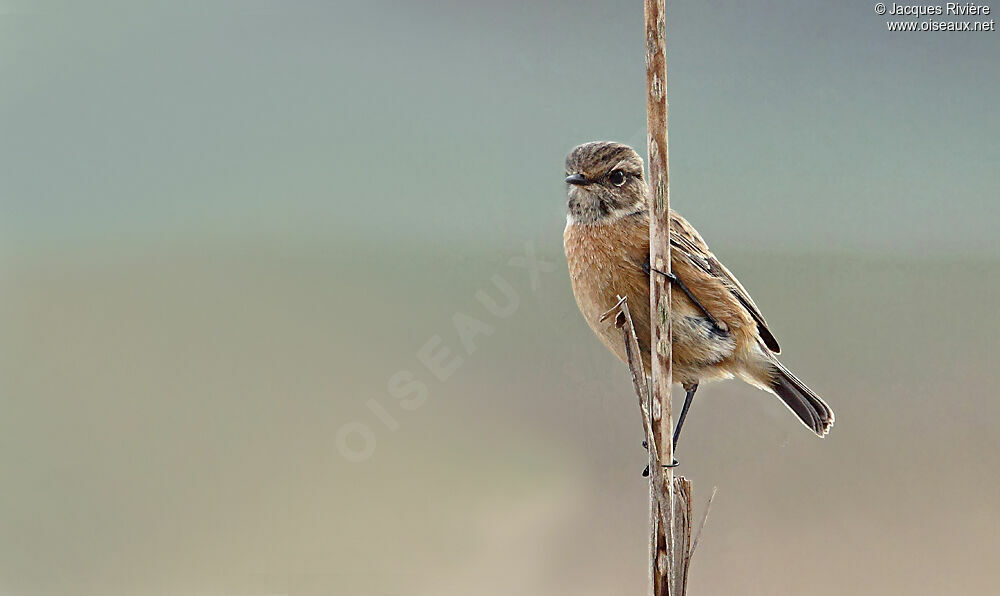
(718, 331)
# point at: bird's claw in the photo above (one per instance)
(645, 472)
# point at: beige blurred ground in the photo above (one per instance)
(175, 433)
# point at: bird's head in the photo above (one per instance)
(604, 182)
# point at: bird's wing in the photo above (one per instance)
(685, 238)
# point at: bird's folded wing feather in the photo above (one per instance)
(684, 238)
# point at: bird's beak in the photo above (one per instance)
(577, 179)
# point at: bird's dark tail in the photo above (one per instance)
(809, 407)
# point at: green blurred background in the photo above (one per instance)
(229, 228)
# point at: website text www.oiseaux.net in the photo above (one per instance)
(921, 17)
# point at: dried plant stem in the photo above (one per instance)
(670, 497)
(670, 543)
(680, 545)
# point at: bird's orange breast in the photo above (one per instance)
(605, 261)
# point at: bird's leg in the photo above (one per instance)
(690, 388)
(646, 268)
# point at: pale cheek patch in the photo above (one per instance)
(625, 211)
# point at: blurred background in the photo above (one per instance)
(285, 311)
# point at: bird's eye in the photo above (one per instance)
(617, 177)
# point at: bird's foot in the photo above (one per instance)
(645, 472)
